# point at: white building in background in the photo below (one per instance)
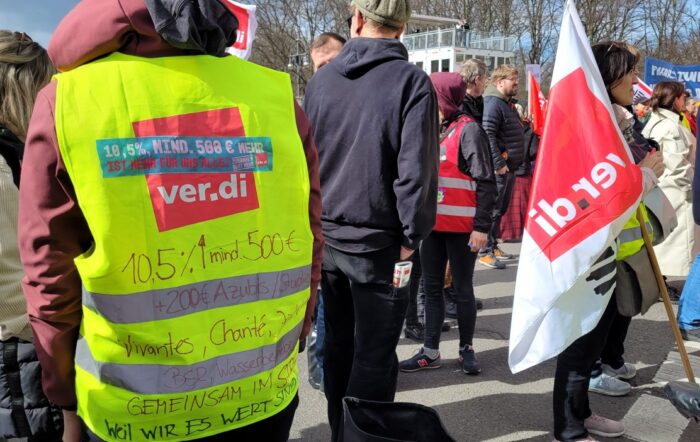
(439, 44)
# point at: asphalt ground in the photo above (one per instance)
(499, 406)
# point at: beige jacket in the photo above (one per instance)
(13, 310)
(677, 252)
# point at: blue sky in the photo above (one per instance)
(38, 18)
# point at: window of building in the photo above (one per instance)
(433, 41)
(445, 65)
(419, 64)
(434, 66)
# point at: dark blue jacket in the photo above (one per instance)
(376, 128)
(505, 130)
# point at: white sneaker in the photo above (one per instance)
(602, 426)
(627, 371)
(609, 386)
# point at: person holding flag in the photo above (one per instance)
(617, 66)
(565, 299)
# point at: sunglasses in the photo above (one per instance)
(616, 45)
(22, 37)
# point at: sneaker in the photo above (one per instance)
(608, 386)
(419, 362)
(469, 362)
(691, 335)
(627, 371)
(602, 426)
(415, 332)
(491, 261)
(479, 305)
(500, 254)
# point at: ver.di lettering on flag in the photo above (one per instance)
(247, 26)
(584, 190)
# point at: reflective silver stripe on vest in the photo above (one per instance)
(444, 209)
(633, 234)
(457, 183)
(164, 379)
(153, 305)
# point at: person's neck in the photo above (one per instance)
(471, 92)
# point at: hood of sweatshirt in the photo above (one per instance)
(492, 91)
(360, 55)
(147, 28)
(450, 90)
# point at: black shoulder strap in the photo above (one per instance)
(12, 373)
(12, 160)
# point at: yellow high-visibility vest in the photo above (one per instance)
(193, 180)
(630, 240)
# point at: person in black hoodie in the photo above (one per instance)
(376, 128)
(474, 71)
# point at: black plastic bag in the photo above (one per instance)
(370, 421)
(685, 397)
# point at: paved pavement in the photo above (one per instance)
(499, 406)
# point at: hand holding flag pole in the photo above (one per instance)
(667, 300)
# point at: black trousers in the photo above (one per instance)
(364, 317)
(573, 373)
(435, 251)
(505, 184)
(273, 429)
(415, 285)
(614, 350)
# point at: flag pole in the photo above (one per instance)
(664, 295)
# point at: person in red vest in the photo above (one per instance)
(466, 196)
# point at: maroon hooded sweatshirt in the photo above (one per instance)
(52, 228)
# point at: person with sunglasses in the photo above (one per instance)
(581, 361)
(24, 69)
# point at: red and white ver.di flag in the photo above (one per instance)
(247, 25)
(585, 188)
(536, 104)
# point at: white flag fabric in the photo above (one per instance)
(247, 26)
(585, 188)
(642, 91)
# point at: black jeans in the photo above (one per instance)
(436, 250)
(415, 285)
(364, 317)
(274, 429)
(614, 349)
(504, 184)
(573, 373)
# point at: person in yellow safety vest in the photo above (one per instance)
(594, 362)
(169, 228)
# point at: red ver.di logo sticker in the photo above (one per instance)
(181, 199)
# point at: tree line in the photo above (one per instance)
(665, 29)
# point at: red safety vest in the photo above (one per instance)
(456, 191)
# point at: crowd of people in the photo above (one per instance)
(168, 211)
